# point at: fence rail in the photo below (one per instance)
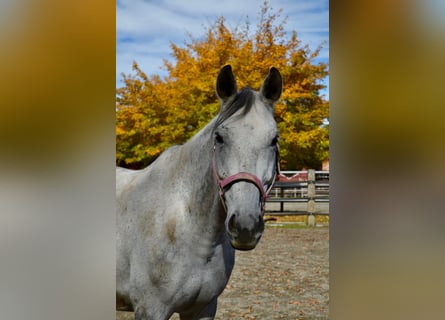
(309, 188)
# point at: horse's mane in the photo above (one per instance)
(243, 98)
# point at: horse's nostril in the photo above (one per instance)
(232, 225)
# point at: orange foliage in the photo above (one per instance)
(153, 114)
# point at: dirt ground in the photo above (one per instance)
(285, 277)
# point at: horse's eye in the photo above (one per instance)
(274, 141)
(219, 139)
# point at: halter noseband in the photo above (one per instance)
(242, 176)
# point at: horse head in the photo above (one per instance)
(245, 159)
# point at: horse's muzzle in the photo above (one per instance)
(244, 231)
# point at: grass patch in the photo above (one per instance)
(274, 225)
(296, 221)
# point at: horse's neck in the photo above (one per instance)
(205, 215)
(204, 202)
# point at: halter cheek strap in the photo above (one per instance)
(241, 176)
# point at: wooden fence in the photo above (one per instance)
(302, 189)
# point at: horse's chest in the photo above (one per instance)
(212, 275)
(215, 278)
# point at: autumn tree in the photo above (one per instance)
(153, 113)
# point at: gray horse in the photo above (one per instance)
(180, 219)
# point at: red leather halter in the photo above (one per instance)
(242, 176)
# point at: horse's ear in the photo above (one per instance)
(272, 85)
(226, 83)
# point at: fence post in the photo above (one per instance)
(311, 197)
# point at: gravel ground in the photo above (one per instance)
(285, 277)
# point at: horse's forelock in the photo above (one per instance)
(243, 99)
